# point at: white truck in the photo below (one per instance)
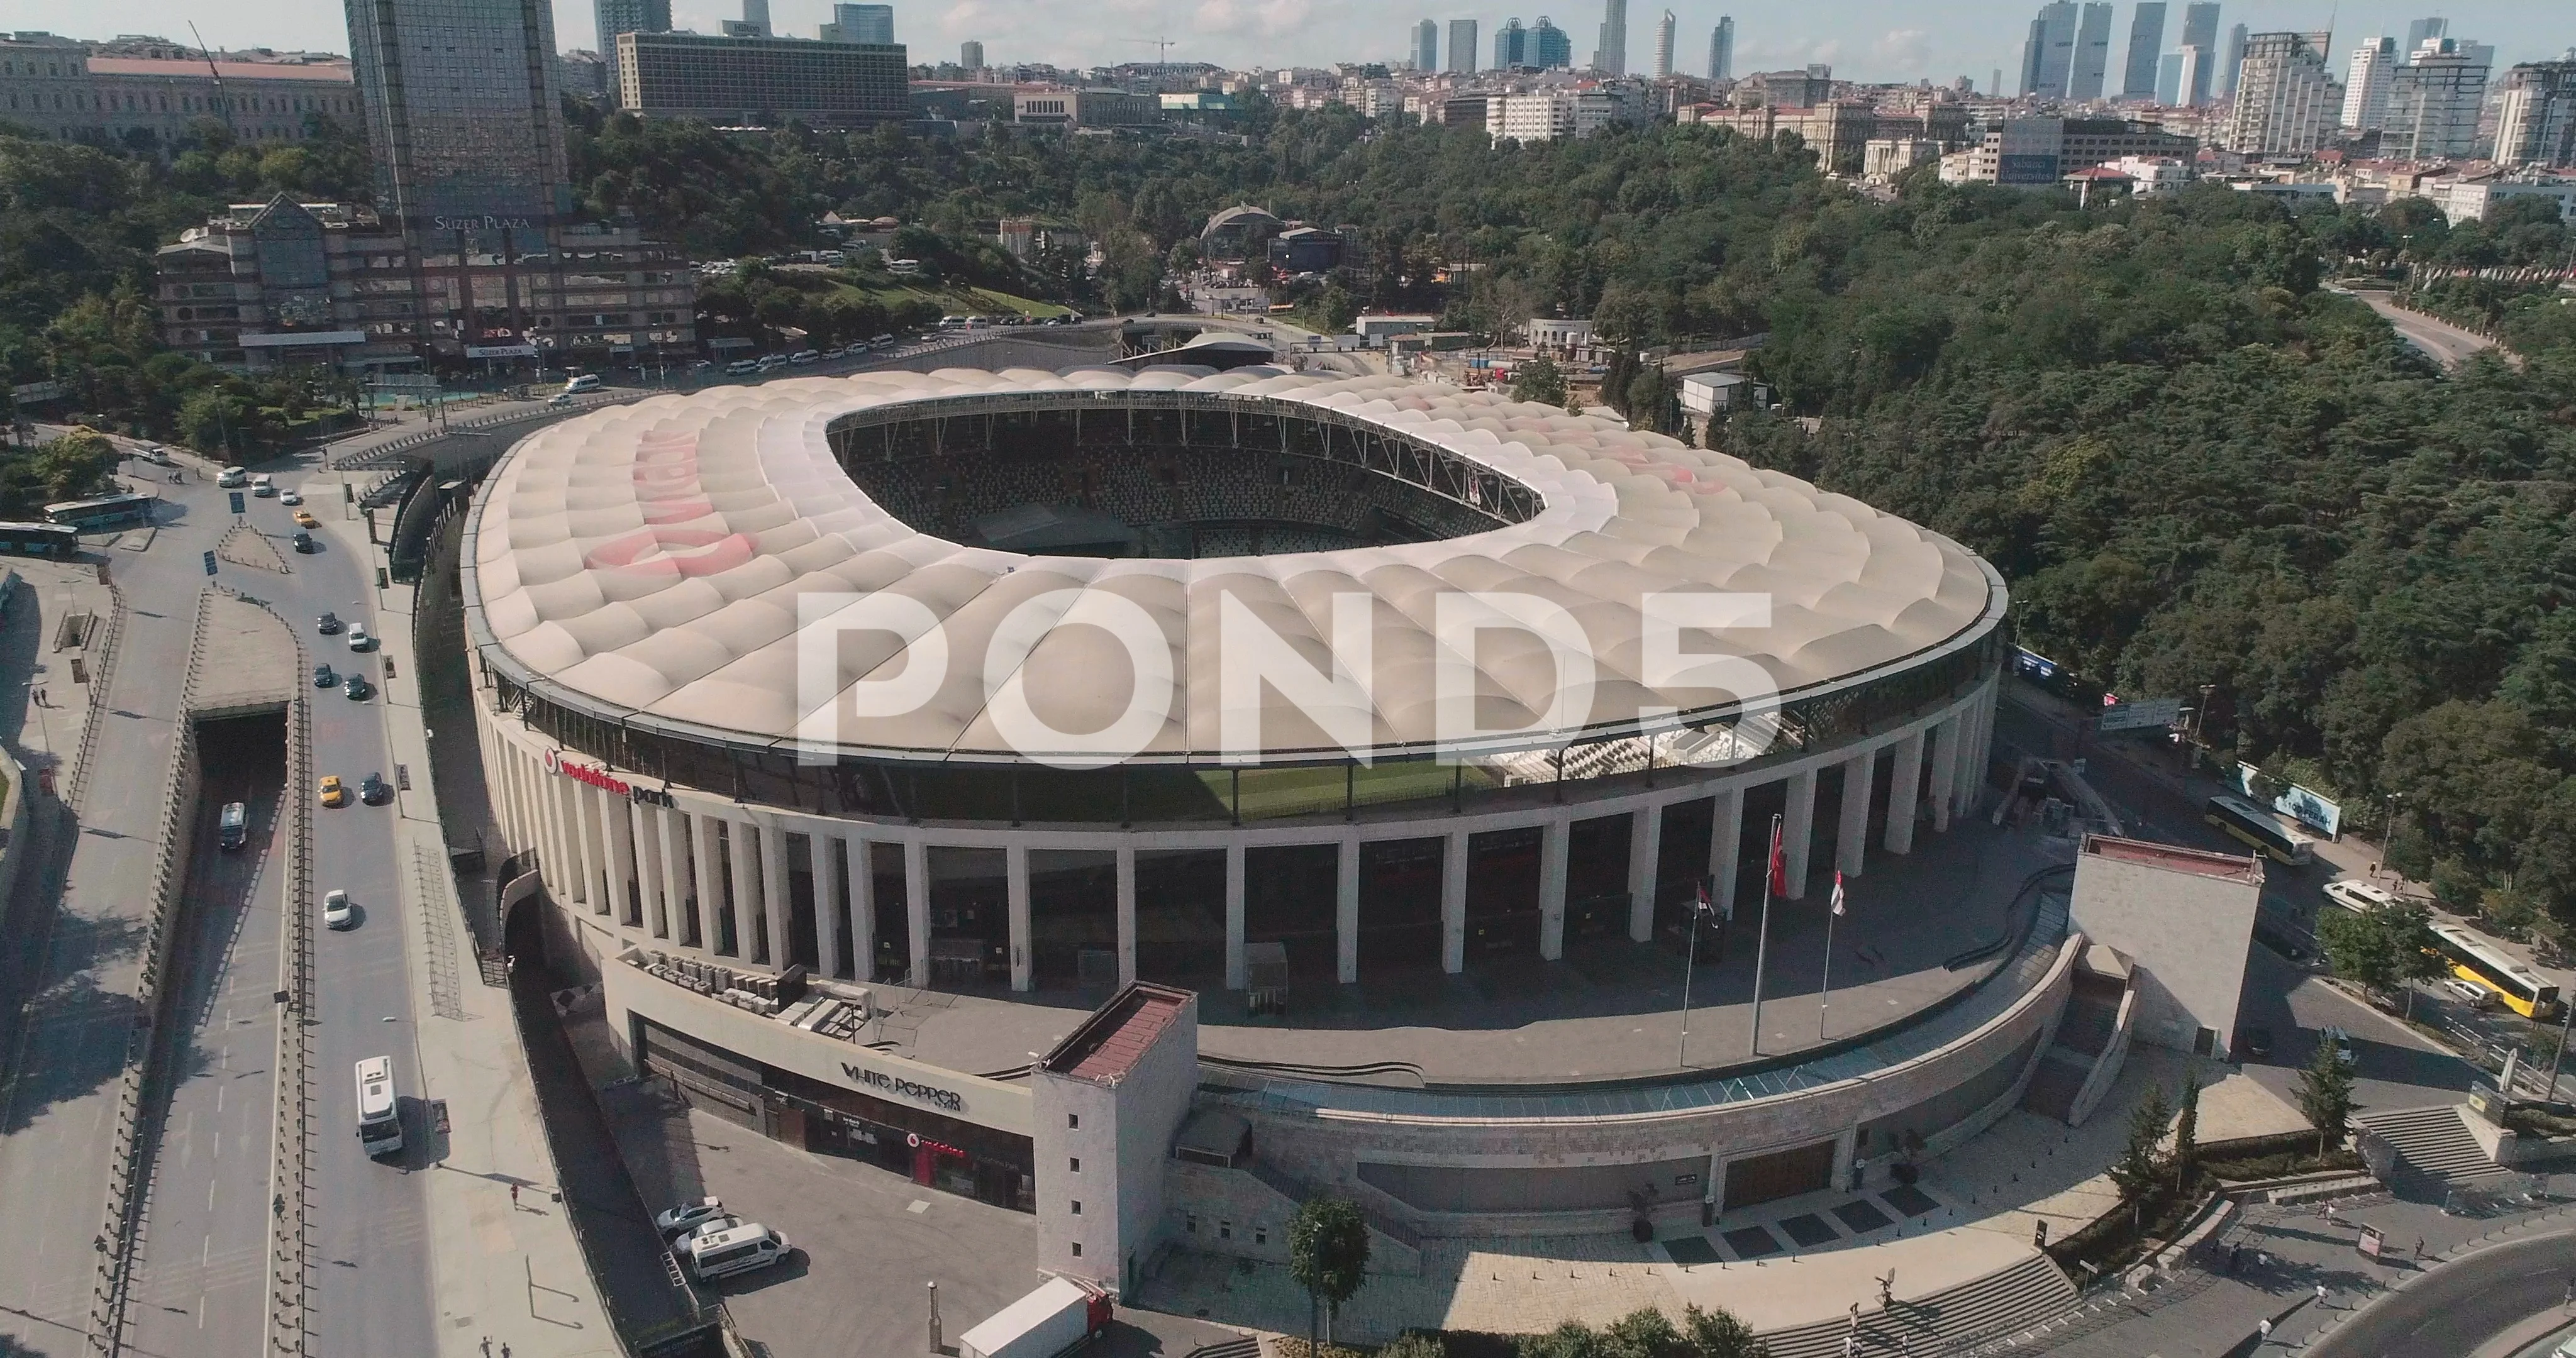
(1057, 1318)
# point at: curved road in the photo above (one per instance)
(2448, 344)
(2460, 1305)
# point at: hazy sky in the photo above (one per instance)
(1863, 39)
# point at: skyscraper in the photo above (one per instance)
(860, 23)
(2286, 101)
(1550, 47)
(1611, 57)
(1511, 46)
(1462, 46)
(2421, 29)
(970, 54)
(2092, 53)
(2191, 65)
(2231, 64)
(462, 146)
(2199, 29)
(2365, 84)
(2536, 116)
(2146, 42)
(2433, 102)
(1426, 46)
(1664, 45)
(755, 18)
(1721, 49)
(2169, 71)
(2049, 53)
(626, 16)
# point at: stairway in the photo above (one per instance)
(2092, 1041)
(2055, 1084)
(2432, 1140)
(2023, 1294)
(1241, 1346)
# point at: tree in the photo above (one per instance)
(1328, 1252)
(2141, 1166)
(2186, 1144)
(1539, 380)
(1718, 1334)
(2325, 1095)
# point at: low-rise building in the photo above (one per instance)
(56, 88)
(2476, 200)
(1086, 108)
(2041, 152)
(1305, 249)
(761, 79)
(1884, 158)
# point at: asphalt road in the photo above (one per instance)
(2448, 344)
(2455, 1308)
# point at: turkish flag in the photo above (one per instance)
(1779, 863)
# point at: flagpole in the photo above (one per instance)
(1825, 996)
(1681, 1057)
(1762, 941)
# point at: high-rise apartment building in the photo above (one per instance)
(727, 80)
(1511, 46)
(2199, 29)
(1426, 45)
(1611, 57)
(467, 138)
(2536, 115)
(2092, 56)
(871, 25)
(2286, 100)
(2365, 84)
(2191, 69)
(1664, 45)
(2048, 54)
(1462, 46)
(2146, 43)
(626, 16)
(2433, 102)
(1550, 47)
(2231, 64)
(970, 54)
(1721, 49)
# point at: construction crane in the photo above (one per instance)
(223, 101)
(1162, 51)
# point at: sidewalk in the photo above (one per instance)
(504, 1266)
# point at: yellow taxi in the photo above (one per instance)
(334, 792)
(304, 519)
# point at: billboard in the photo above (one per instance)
(2142, 715)
(2303, 805)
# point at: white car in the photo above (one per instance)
(705, 1228)
(2341, 1041)
(336, 911)
(689, 1214)
(290, 498)
(358, 638)
(2361, 898)
(2469, 993)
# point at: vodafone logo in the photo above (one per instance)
(605, 781)
(554, 761)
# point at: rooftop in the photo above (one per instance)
(2225, 867)
(312, 73)
(1110, 1043)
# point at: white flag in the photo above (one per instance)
(1838, 893)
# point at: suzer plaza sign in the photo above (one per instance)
(605, 781)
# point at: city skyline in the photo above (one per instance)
(1871, 40)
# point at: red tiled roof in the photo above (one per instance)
(1108, 1046)
(2175, 858)
(229, 70)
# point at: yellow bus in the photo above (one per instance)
(2481, 964)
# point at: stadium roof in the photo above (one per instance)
(646, 562)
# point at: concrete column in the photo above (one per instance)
(863, 908)
(675, 892)
(1907, 784)
(774, 898)
(916, 907)
(1453, 904)
(1015, 879)
(586, 845)
(1346, 912)
(1554, 840)
(1945, 771)
(1982, 755)
(742, 854)
(640, 827)
(1851, 829)
(1126, 915)
(617, 817)
(824, 855)
(1725, 845)
(1797, 832)
(1645, 844)
(702, 845)
(563, 851)
(1237, 976)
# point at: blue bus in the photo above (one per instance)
(38, 539)
(104, 512)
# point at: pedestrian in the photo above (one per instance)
(2419, 1247)
(514, 1206)
(2263, 1328)
(2321, 1294)
(487, 1346)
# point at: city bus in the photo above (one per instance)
(2265, 832)
(379, 1110)
(103, 513)
(38, 539)
(2483, 965)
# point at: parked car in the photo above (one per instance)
(2359, 897)
(674, 1220)
(328, 624)
(803, 356)
(2340, 1041)
(742, 367)
(374, 790)
(2470, 993)
(2255, 1042)
(336, 913)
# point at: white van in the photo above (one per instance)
(582, 383)
(263, 486)
(740, 1250)
(2361, 898)
(233, 478)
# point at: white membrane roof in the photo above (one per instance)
(651, 557)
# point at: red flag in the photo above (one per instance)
(1779, 863)
(1838, 891)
